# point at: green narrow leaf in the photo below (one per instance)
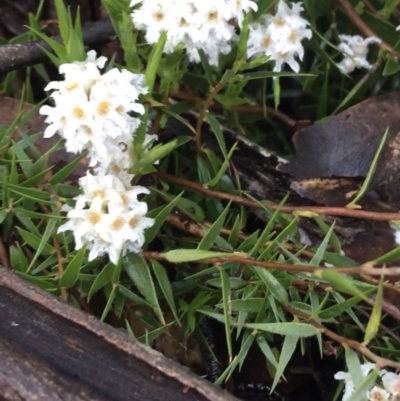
(206, 67)
(132, 296)
(62, 174)
(17, 258)
(235, 232)
(271, 282)
(268, 228)
(354, 366)
(319, 255)
(286, 328)
(165, 286)
(340, 282)
(109, 303)
(38, 281)
(62, 18)
(339, 308)
(34, 241)
(277, 91)
(43, 241)
(216, 128)
(71, 272)
(223, 168)
(161, 150)
(226, 298)
(138, 270)
(360, 391)
(191, 255)
(154, 61)
(288, 348)
(371, 171)
(334, 240)
(160, 219)
(102, 279)
(375, 318)
(209, 239)
(286, 233)
(30, 193)
(248, 339)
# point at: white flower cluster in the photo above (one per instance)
(355, 51)
(93, 113)
(196, 24)
(279, 36)
(389, 391)
(211, 27)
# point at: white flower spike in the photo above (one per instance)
(96, 112)
(355, 51)
(279, 36)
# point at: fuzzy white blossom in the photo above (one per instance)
(355, 52)
(96, 112)
(107, 217)
(93, 111)
(279, 36)
(197, 25)
(348, 382)
(388, 391)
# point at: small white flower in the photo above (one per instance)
(279, 36)
(107, 217)
(378, 394)
(391, 383)
(348, 382)
(355, 51)
(193, 24)
(93, 112)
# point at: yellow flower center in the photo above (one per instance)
(118, 224)
(134, 222)
(71, 86)
(94, 217)
(103, 108)
(78, 112)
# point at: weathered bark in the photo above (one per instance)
(15, 56)
(52, 351)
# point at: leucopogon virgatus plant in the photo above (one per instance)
(193, 63)
(93, 113)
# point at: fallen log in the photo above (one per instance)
(52, 351)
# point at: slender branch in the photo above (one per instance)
(4, 259)
(13, 57)
(361, 25)
(203, 112)
(246, 108)
(243, 259)
(60, 264)
(320, 210)
(346, 342)
(197, 230)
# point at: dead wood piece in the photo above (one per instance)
(47, 345)
(23, 377)
(15, 56)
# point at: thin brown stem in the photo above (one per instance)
(203, 112)
(197, 230)
(60, 264)
(244, 108)
(244, 260)
(346, 342)
(361, 25)
(4, 260)
(319, 210)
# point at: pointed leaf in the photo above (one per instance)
(71, 272)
